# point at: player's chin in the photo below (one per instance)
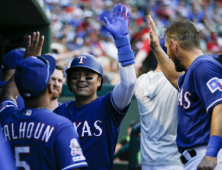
(81, 94)
(55, 96)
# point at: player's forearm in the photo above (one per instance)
(167, 66)
(216, 125)
(10, 91)
(123, 91)
(215, 141)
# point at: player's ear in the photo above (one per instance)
(99, 80)
(174, 45)
(50, 87)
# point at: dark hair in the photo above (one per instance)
(58, 67)
(184, 32)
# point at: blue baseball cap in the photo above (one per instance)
(162, 43)
(11, 59)
(32, 74)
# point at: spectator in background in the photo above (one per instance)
(78, 25)
(107, 12)
(213, 46)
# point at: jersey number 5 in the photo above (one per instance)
(18, 162)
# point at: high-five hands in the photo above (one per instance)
(154, 38)
(34, 46)
(119, 25)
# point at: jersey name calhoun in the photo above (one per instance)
(38, 131)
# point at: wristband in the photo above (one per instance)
(124, 49)
(214, 146)
(126, 58)
(121, 42)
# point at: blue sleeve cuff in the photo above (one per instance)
(126, 58)
(214, 145)
(122, 42)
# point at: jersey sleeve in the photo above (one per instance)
(68, 151)
(20, 102)
(7, 106)
(62, 109)
(113, 113)
(208, 84)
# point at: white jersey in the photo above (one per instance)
(157, 103)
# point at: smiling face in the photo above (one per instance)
(57, 81)
(84, 82)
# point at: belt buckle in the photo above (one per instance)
(189, 154)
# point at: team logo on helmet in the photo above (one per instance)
(81, 59)
(75, 148)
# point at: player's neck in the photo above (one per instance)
(80, 101)
(43, 102)
(158, 69)
(54, 104)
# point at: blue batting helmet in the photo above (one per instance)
(85, 61)
(162, 44)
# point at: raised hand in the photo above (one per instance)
(34, 47)
(154, 38)
(119, 25)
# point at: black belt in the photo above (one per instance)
(192, 153)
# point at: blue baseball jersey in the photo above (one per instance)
(97, 125)
(40, 139)
(59, 104)
(200, 89)
(6, 158)
(20, 101)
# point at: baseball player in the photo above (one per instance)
(157, 103)
(57, 80)
(198, 80)
(6, 158)
(97, 119)
(38, 138)
(8, 65)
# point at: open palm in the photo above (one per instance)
(119, 25)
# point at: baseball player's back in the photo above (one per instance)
(40, 139)
(98, 128)
(6, 158)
